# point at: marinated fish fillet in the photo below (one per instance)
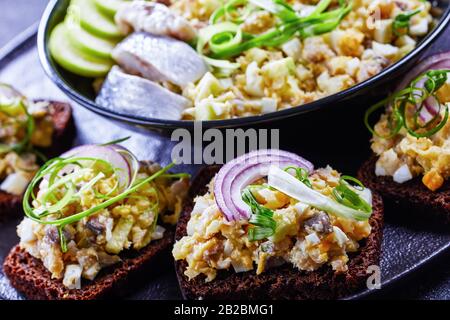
(159, 58)
(153, 18)
(128, 94)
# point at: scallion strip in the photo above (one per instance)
(402, 21)
(30, 213)
(262, 218)
(415, 96)
(301, 174)
(344, 195)
(306, 27)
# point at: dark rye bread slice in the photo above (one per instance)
(410, 194)
(283, 282)
(29, 276)
(63, 136)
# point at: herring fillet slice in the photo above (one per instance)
(128, 94)
(154, 18)
(159, 58)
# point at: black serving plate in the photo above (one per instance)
(410, 240)
(80, 89)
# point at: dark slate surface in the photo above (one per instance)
(18, 15)
(431, 282)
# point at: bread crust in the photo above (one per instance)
(411, 194)
(29, 276)
(63, 136)
(283, 282)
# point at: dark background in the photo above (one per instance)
(432, 282)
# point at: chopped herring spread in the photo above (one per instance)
(24, 125)
(404, 156)
(303, 69)
(82, 248)
(305, 237)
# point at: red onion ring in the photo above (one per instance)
(126, 154)
(105, 153)
(431, 104)
(240, 172)
(425, 115)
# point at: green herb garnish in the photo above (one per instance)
(402, 21)
(225, 38)
(51, 171)
(346, 196)
(261, 218)
(406, 105)
(301, 174)
(234, 10)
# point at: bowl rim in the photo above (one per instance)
(322, 103)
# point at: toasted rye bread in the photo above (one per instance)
(29, 276)
(63, 135)
(411, 194)
(283, 282)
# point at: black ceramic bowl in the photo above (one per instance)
(81, 91)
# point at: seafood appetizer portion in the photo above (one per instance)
(411, 140)
(94, 215)
(29, 131)
(269, 225)
(132, 94)
(160, 58)
(238, 58)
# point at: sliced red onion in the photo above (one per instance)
(105, 153)
(425, 115)
(432, 105)
(247, 177)
(130, 158)
(242, 171)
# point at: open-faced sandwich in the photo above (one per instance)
(269, 226)
(411, 140)
(94, 216)
(29, 131)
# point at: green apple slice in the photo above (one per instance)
(109, 7)
(88, 42)
(93, 20)
(73, 59)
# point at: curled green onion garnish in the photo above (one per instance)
(262, 218)
(204, 38)
(224, 38)
(406, 106)
(346, 196)
(402, 21)
(234, 10)
(301, 174)
(57, 181)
